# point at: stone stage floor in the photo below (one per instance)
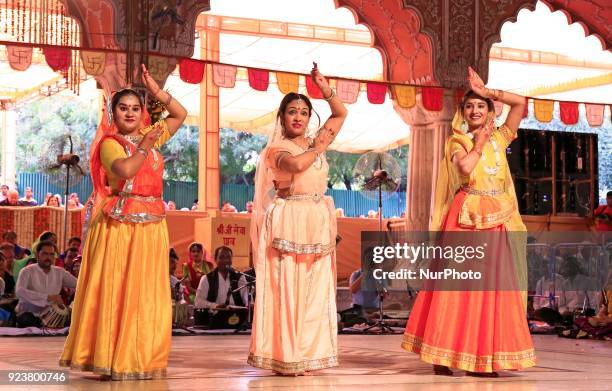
(367, 362)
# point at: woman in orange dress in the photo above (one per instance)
(121, 324)
(293, 234)
(480, 331)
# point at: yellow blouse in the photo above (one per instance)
(489, 201)
(110, 150)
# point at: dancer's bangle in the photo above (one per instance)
(333, 93)
(142, 151)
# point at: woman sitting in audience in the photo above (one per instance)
(54, 200)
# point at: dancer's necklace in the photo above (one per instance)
(488, 169)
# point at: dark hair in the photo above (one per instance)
(222, 248)
(46, 236)
(73, 249)
(77, 238)
(173, 254)
(469, 94)
(9, 233)
(609, 194)
(198, 245)
(125, 92)
(295, 96)
(44, 243)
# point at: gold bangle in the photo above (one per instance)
(142, 151)
(333, 93)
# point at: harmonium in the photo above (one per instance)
(230, 317)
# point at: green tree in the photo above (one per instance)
(40, 123)
(238, 155)
(181, 155)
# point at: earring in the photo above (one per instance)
(464, 126)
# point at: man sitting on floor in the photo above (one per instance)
(39, 285)
(217, 289)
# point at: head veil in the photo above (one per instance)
(101, 189)
(264, 191)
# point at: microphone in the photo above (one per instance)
(230, 268)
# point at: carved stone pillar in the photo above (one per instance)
(209, 188)
(428, 133)
(140, 30)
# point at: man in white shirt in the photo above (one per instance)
(39, 285)
(28, 199)
(215, 289)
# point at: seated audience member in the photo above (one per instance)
(74, 197)
(600, 325)
(73, 242)
(196, 267)
(21, 263)
(228, 207)
(217, 289)
(28, 199)
(2, 268)
(248, 207)
(6, 270)
(12, 199)
(603, 215)
(69, 257)
(55, 200)
(76, 267)
(178, 291)
(339, 212)
(47, 196)
(171, 205)
(4, 189)
(11, 237)
(195, 205)
(40, 285)
(579, 292)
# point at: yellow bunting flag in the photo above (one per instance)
(93, 62)
(405, 95)
(287, 82)
(543, 109)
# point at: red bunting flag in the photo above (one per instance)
(191, 71)
(258, 79)
(376, 93)
(568, 112)
(57, 58)
(313, 91)
(432, 98)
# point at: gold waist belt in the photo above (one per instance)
(138, 197)
(301, 197)
(472, 191)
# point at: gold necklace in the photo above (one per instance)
(298, 144)
(132, 139)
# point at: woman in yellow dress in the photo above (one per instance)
(294, 235)
(121, 324)
(478, 331)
